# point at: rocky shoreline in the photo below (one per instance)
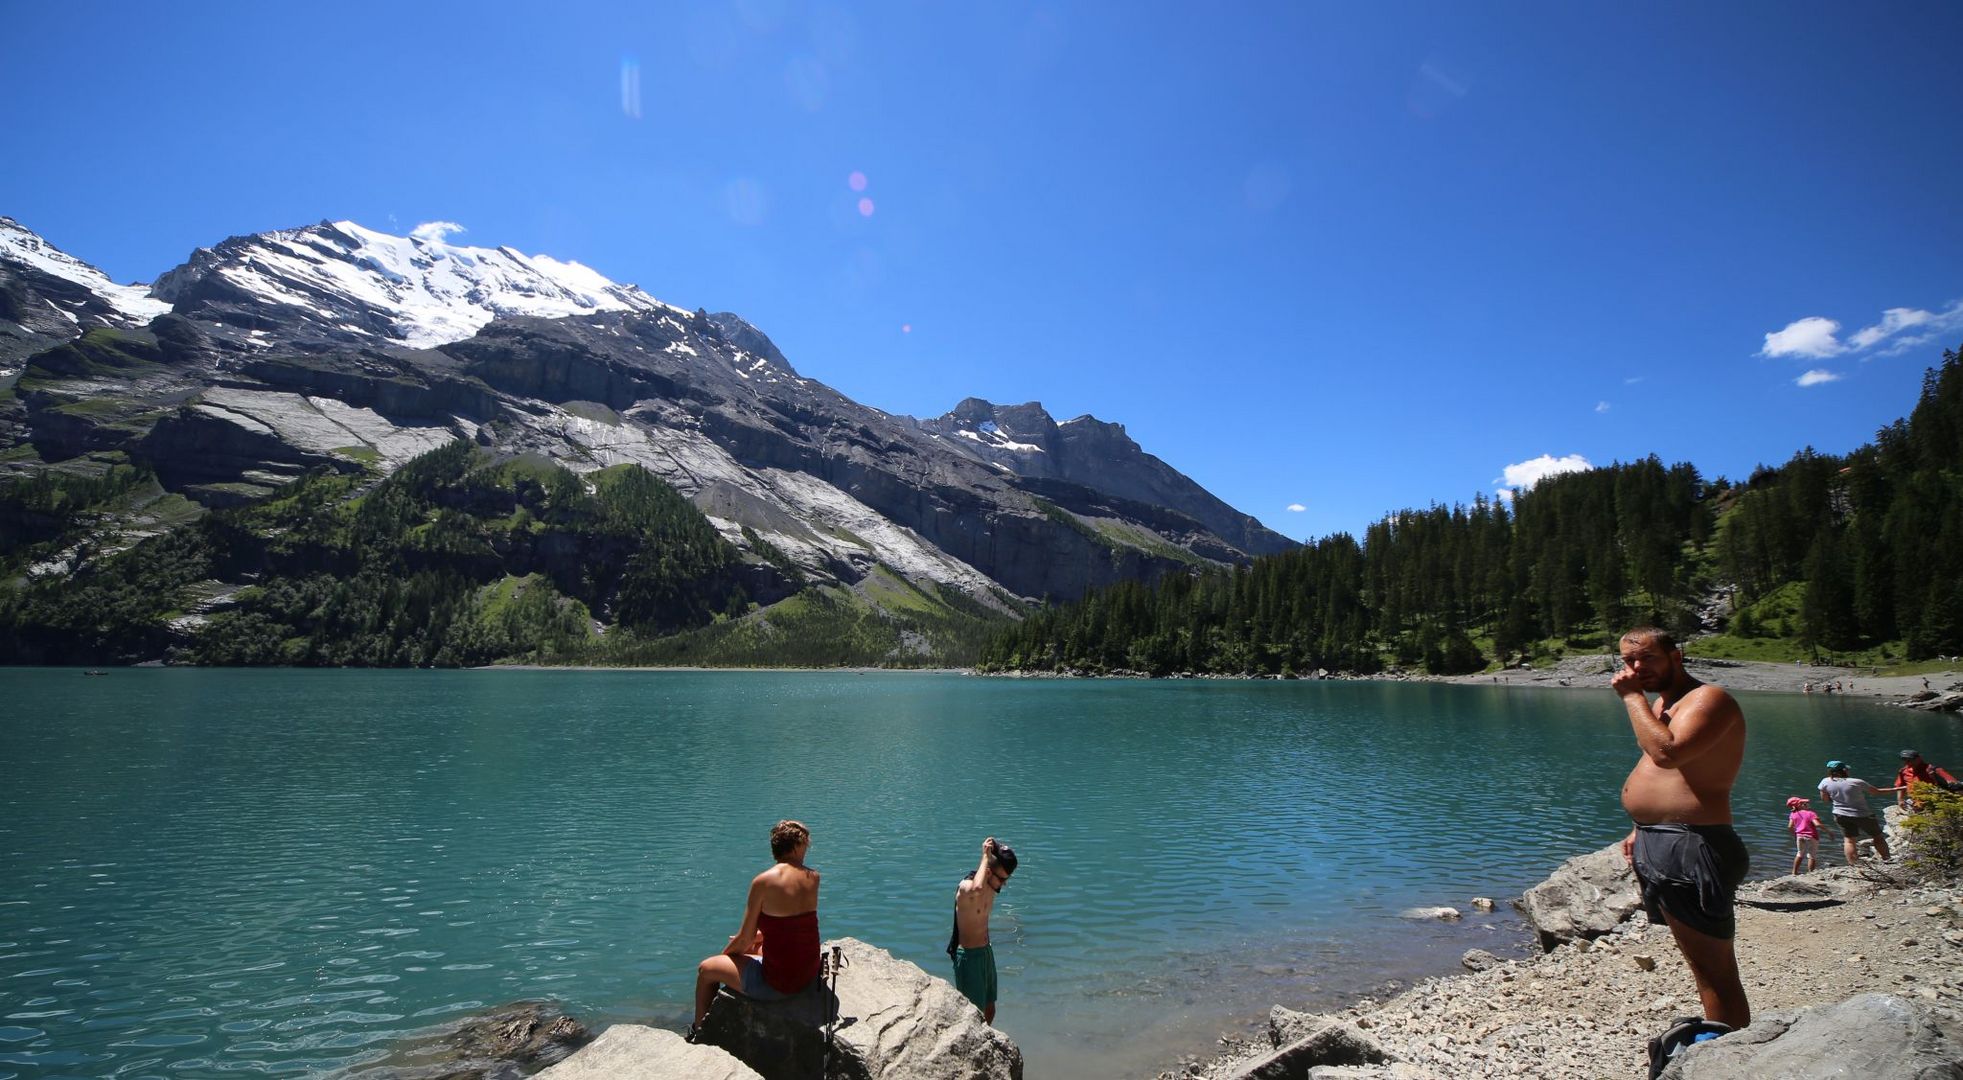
(1810, 947)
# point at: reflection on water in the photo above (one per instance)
(286, 871)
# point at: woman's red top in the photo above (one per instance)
(790, 950)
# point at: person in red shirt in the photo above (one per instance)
(1914, 770)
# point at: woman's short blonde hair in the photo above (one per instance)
(786, 837)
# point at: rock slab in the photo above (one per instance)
(895, 1022)
(1333, 1044)
(633, 1052)
(1587, 897)
(1873, 1036)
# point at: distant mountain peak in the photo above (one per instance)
(130, 305)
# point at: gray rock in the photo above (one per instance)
(1444, 914)
(1587, 897)
(1288, 1026)
(633, 1052)
(1479, 960)
(1875, 1036)
(896, 1022)
(510, 1042)
(1335, 1044)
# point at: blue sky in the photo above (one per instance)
(1342, 257)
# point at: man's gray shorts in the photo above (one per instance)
(1692, 872)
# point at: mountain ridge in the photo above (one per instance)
(334, 347)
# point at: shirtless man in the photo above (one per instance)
(1687, 859)
(974, 901)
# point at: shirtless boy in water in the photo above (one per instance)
(1687, 859)
(974, 901)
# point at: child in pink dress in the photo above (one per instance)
(1805, 825)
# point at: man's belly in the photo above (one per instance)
(1652, 795)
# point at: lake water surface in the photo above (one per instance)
(285, 872)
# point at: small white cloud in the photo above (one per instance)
(1296, 508)
(1633, 380)
(1812, 336)
(1526, 474)
(1816, 377)
(1505, 495)
(435, 232)
(1601, 406)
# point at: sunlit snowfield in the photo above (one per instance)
(286, 871)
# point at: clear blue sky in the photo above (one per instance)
(1347, 257)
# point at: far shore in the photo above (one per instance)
(1574, 672)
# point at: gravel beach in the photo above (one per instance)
(1586, 1011)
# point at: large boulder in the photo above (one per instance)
(1874, 1036)
(895, 1022)
(633, 1052)
(1587, 897)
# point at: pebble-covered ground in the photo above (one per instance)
(1586, 1011)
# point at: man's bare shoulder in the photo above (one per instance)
(1712, 703)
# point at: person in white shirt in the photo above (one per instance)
(1849, 795)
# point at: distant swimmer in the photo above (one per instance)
(968, 945)
(1687, 858)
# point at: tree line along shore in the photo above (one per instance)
(1854, 559)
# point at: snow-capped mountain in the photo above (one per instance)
(340, 282)
(342, 347)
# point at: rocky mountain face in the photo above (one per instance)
(266, 356)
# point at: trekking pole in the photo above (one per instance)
(836, 961)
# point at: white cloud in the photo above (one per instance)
(435, 232)
(1522, 475)
(1811, 336)
(1816, 377)
(1601, 406)
(1927, 327)
(1893, 321)
(1296, 508)
(1900, 329)
(1632, 380)
(1527, 473)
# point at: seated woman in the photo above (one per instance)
(775, 953)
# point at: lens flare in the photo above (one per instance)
(630, 87)
(857, 181)
(865, 207)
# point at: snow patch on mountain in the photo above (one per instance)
(133, 302)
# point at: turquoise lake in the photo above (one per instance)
(285, 872)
